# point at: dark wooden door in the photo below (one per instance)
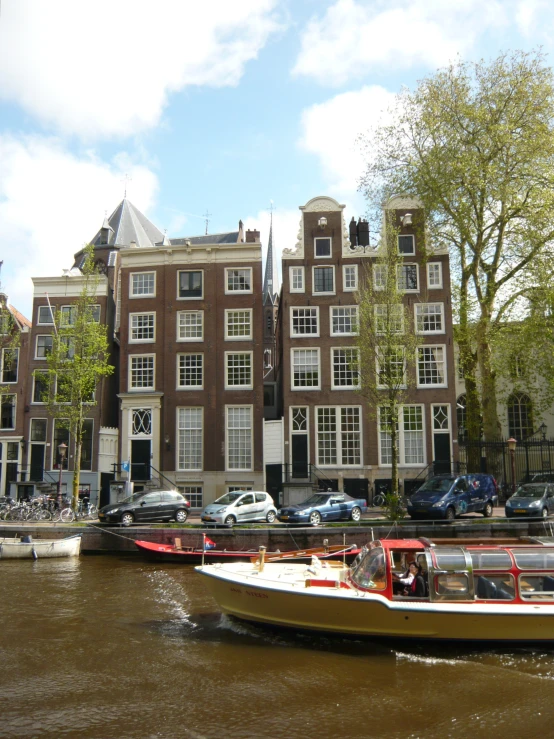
(300, 455)
(140, 459)
(442, 459)
(37, 462)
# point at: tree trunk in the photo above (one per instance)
(76, 475)
(491, 424)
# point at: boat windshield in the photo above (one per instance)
(370, 572)
(530, 491)
(437, 485)
(229, 498)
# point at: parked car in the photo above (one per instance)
(448, 496)
(147, 506)
(324, 507)
(531, 499)
(240, 506)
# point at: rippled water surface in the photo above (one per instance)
(105, 647)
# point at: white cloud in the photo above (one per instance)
(355, 37)
(106, 68)
(330, 131)
(53, 202)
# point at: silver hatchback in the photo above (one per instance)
(240, 506)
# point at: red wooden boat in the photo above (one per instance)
(193, 555)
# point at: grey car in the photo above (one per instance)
(240, 506)
(532, 499)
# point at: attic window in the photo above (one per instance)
(406, 244)
(322, 247)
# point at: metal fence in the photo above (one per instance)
(530, 457)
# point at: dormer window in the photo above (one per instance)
(322, 247)
(406, 244)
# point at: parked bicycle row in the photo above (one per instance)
(44, 508)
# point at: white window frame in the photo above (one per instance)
(339, 445)
(178, 325)
(381, 270)
(228, 467)
(325, 266)
(406, 253)
(402, 266)
(346, 267)
(189, 495)
(301, 272)
(6, 352)
(51, 311)
(236, 292)
(192, 297)
(402, 439)
(295, 335)
(3, 397)
(293, 354)
(402, 385)
(425, 386)
(142, 388)
(142, 341)
(377, 317)
(245, 337)
(437, 286)
(33, 401)
(248, 386)
(326, 238)
(181, 445)
(41, 336)
(189, 387)
(70, 310)
(356, 351)
(418, 308)
(333, 308)
(137, 296)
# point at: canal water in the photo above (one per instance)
(106, 647)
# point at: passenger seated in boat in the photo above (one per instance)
(416, 589)
(399, 584)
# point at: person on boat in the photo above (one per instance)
(400, 584)
(416, 589)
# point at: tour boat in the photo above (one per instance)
(25, 547)
(477, 592)
(194, 555)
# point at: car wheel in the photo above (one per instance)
(315, 518)
(270, 518)
(181, 516)
(230, 520)
(450, 514)
(544, 513)
(127, 519)
(356, 514)
(487, 510)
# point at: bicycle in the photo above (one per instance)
(378, 500)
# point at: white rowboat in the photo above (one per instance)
(26, 547)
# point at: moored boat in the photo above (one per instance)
(25, 547)
(193, 555)
(474, 592)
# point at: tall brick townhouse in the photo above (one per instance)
(330, 433)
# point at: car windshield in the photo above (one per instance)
(437, 485)
(229, 498)
(316, 500)
(530, 491)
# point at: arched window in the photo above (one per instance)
(520, 416)
(461, 404)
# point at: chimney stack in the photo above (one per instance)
(252, 237)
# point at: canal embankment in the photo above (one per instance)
(118, 540)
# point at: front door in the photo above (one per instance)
(37, 462)
(300, 455)
(140, 459)
(442, 458)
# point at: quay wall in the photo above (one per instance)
(117, 540)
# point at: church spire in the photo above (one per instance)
(271, 287)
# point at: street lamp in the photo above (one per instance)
(512, 443)
(62, 449)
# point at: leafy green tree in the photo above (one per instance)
(78, 361)
(387, 341)
(475, 143)
(10, 341)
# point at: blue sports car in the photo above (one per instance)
(324, 507)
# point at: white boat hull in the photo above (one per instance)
(14, 548)
(281, 598)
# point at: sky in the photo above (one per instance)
(219, 107)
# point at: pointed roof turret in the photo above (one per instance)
(271, 288)
(127, 224)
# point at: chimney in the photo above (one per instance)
(363, 233)
(252, 237)
(353, 233)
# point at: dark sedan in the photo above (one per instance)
(324, 507)
(146, 507)
(531, 499)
